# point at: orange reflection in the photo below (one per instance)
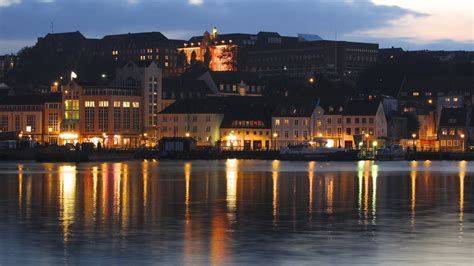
(275, 174)
(67, 196)
(462, 174)
(187, 177)
(218, 239)
(413, 195)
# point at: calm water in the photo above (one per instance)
(237, 212)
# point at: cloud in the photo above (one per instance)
(353, 20)
(4, 3)
(196, 2)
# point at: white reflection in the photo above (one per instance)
(375, 170)
(67, 179)
(231, 177)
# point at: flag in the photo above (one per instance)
(73, 75)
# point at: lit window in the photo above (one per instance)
(116, 104)
(444, 131)
(416, 93)
(103, 103)
(89, 104)
(277, 122)
(126, 104)
(455, 99)
(136, 104)
(451, 132)
(287, 121)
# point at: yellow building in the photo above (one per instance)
(34, 117)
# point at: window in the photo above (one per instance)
(53, 122)
(459, 131)
(4, 123)
(136, 118)
(208, 118)
(357, 131)
(371, 131)
(364, 120)
(117, 118)
(348, 131)
(451, 132)
(328, 132)
(444, 131)
(208, 129)
(455, 99)
(89, 119)
(416, 93)
(17, 122)
(89, 104)
(103, 116)
(126, 116)
(296, 122)
(357, 120)
(305, 122)
(135, 104)
(287, 122)
(339, 131)
(286, 134)
(296, 134)
(329, 120)
(305, 134)
(339, 120)
(194, 129)
(371, 120)
(116, 104)
(348, 120)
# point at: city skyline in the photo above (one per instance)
(406, 24)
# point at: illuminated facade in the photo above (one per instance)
(293, 122)
(106, 114)
(34, 117)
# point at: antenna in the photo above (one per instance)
(335, 52)
(52, 27)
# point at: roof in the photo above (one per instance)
(235, 77)
(256, 110)
(297, 107)
(361, 107)
(332, 106)
(210, 105)
(180, 85)
(453, 117)
(32, 99)
(438, 83)
(140, 37)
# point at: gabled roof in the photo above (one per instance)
(295, 107)
(235, 77)
(453, 117)
(178, 85)
(210, 105)
(361, 107)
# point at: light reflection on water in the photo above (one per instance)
(234, 211)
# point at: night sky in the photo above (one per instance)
(410, 24)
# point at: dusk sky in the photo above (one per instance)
(410, 24)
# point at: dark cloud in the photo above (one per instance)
(179, 19)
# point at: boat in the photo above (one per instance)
(317, 150)
(393, 152)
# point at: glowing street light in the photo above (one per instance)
(187, 134)
(462, 142)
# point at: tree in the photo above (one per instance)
(182, 59)
(413, 124)
(230, 57)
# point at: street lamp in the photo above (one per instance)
(367, 141)
(275, 135)
(462, 142)
(187, 134)
(413, 136)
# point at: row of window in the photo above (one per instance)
(451, 131)
(286, 122)
(187, 118)
(296, 134)
(106, 104)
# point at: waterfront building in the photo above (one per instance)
(146, 78)
(329, 122)
(95, 113)
(247, 124)
(293, 122)
(452, 129)
(33, 117)
(196, 118)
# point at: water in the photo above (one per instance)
(237, 212)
